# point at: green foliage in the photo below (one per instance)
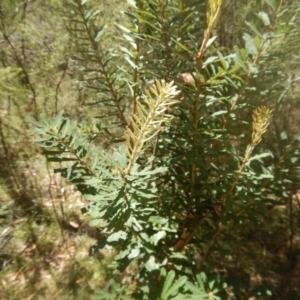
(187, 166)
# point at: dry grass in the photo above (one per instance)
(44, 254)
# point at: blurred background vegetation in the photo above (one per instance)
(44, 239)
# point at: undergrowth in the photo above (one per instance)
(182, 141)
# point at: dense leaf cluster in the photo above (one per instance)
(189, 168)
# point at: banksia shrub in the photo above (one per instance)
(187, 167)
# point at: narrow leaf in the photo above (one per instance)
(176, 286)
(168, 282)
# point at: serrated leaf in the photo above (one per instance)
(158, 220)
(136, 225)
(154, 239)
(259, 156)
(178, 255)
(148, 171)
(116, 236)
(134, 253)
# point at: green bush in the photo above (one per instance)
(183, 172)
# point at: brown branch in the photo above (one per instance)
(185, 236)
